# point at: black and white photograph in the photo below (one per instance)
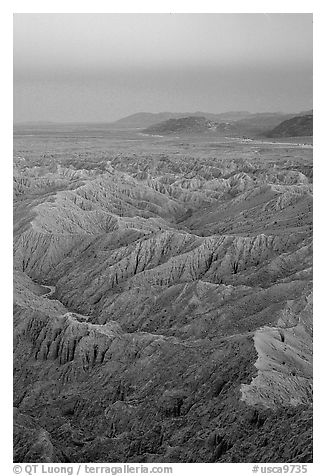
(162, 241)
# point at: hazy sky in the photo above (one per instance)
(100, 67)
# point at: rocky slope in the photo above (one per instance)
(163, 311)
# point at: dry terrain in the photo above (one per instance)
(163, 297)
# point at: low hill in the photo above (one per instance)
(295, 127)
(191, 125)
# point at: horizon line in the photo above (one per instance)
(48, 121)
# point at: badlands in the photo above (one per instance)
(162, 297)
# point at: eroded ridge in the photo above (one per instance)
(163, 307)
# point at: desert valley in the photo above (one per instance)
(163, 289)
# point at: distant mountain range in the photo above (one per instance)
(233, 123)
(142, 120)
